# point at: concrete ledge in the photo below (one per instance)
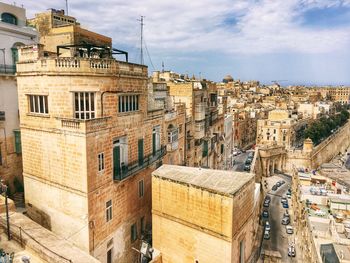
(43, 242)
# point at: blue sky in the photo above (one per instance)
(301, 41)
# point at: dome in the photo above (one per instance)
(227, 78)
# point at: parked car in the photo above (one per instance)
(320, 213)
(291, 251)
(265, 214)
(282, 182)
(289, 196)
(284, 200)
(285, 205)
(266, 203)
(289, 229)
(268, 198)
(285, 220)
(267, 234)
(267, 226)
(274, 188)
(278, 184)
(286, 214)
(247, 167)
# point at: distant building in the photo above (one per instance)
(13, 34)
(202, 215)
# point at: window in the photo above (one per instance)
(128, 103)
(205, 149)
(18, 143)
(109, 211)
(180, 128)
(142, 224)
(101, 162)
(38, 104)
(140, 151)
(109, 255)
(222, 149)
(133, 233)
(9, 18)
(156, 139)
(84, 105)
(173, 135)
(120, 158)
(241, 252)
(141, 188)
(274, 131)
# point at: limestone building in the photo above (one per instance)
(204, 216)
(280, 129)
(204, 124)
(13, 33)
(89, 145)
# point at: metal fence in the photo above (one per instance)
(8, 69)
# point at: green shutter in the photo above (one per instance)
(222, 148)
(205, 149)
(18, 144)
(116, 163)
(140, 148)
(154, 143)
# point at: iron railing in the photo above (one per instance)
(8, 69)
(124, 171)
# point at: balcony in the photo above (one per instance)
(8, 69)
(199, 130)
(172, 146)
(199, 113)
(170, 116)
(122, 172)
(83, 126)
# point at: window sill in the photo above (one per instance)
(43, 115)
(121, 114)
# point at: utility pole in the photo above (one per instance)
(141, 39)
(3, 189)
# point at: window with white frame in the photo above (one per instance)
(108, 210)
(101, 161)
(141, 189)
(128, 103)
(173, 135)
(84, 105)
(38, 104)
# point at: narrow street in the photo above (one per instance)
(279, 239)
(239, 162)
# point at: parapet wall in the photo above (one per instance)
(322, 153)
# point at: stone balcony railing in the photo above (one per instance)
(170, 116)
(172, 146)
(72, 65)
(83, 126)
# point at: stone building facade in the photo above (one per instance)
(202, 216)
(89, 146)
(204, 124)
(13, 33)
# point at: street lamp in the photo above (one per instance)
(3, 51)
(3, 189)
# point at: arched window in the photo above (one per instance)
(9, 18)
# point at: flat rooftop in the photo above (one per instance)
(224, 182)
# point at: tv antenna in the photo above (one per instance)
(141, 39)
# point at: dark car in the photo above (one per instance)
(274, 188)
(265, 214)
(285, 205)
(268, 198)
(247, 167)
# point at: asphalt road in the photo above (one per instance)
(279, 239)
(239, 162)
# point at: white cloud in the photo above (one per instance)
(264, 26)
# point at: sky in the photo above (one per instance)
(291, 41)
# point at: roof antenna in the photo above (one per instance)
(67, 7)
(163, 66)
(141, 40)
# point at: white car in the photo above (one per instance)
(320, 213)
(289, 229)
(267, 226)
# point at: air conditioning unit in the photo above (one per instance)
(2, 115)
